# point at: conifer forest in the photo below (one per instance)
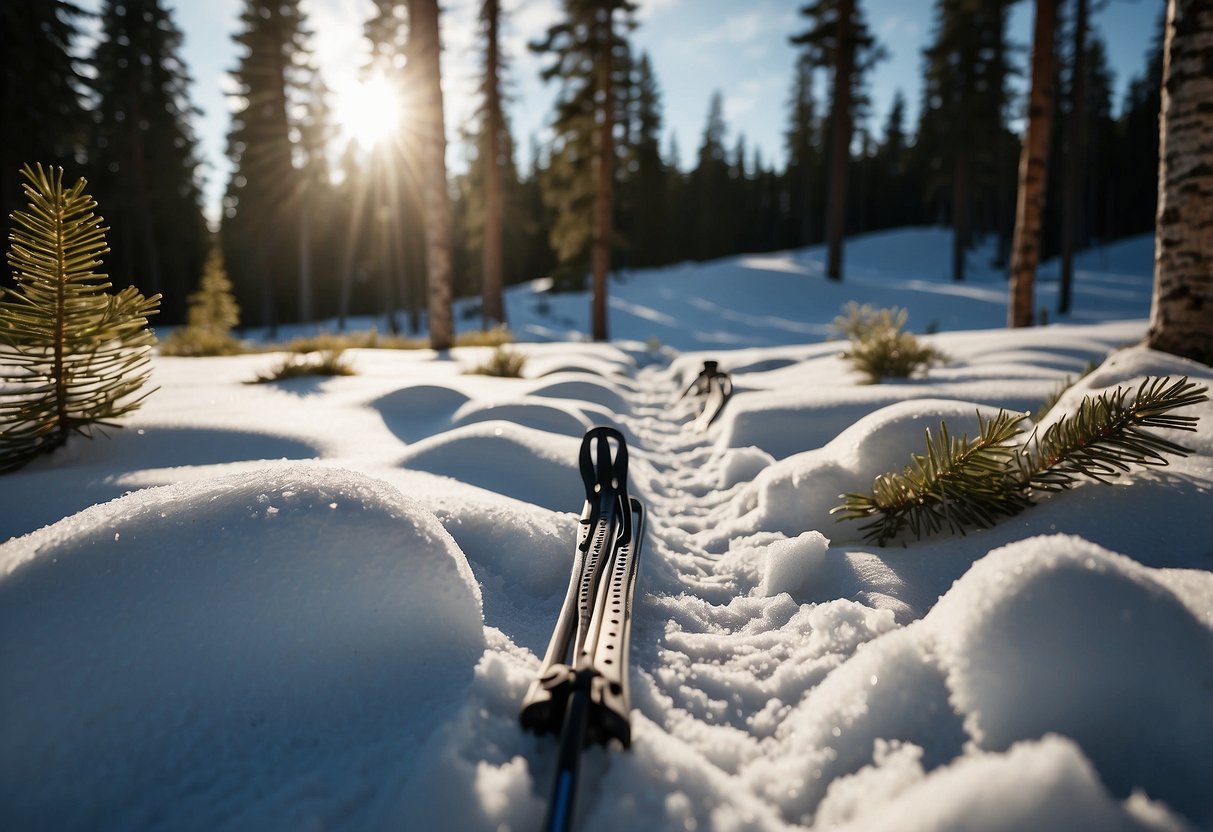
(312, 229)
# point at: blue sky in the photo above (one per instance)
(739, 47)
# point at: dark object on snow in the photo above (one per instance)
(581, 691)
(716, 387)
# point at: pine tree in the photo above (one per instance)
(1181, 315)
(1033, 166)
(644, 193)
(963, 111)
(804, 160)
(144, 151)
(713, 218)
(317, 239)
(74, 356)
(41, 88)
(263, 201)
(590, 56)
(896, 195)
(213, 314)
(493, 128)
(1098, 187)
(840, 40)
(1075, 157)
(1134, 194)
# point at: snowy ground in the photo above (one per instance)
(317, 604)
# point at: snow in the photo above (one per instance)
(319, 603)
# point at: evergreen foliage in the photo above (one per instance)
(501, 363)
(644, 192)
(262, 207)
(213, 314)
(880, 346)
(519, 227)
(962, 129)
(577, 44)
(129, 121)
(143, 154)
(41, 92)
(325, 363)
(73, 357)
(960, 484)
(839, 38)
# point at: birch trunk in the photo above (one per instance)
(1181, 315)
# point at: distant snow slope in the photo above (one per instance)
(317, 604)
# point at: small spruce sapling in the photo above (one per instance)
(880, 346)
(213, 314)
(960, 484)
(73, 357)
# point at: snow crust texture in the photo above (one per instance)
(318, 604)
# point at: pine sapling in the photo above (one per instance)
(213, 314)
(880, 347)
(73, 357)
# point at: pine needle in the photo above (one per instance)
(958, 484)
(955, 484)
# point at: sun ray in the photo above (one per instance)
(371, 111)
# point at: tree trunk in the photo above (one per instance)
(1033, 166)
(960, 214)
(491, 299)
(305, 265)
(424, 17)
(1181, 315)
(1076, 160)
(604, 190)
(840, 137)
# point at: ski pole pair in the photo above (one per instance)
(581, 692)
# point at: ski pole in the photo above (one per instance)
(581, 691)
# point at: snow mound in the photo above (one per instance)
(1045, 785)
(556, 417)
(287, 633)
(527, 464)
(420, 410)
(1058, 635)
(1046, 636)
(584, 390)
(791, 563)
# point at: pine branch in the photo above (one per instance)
(1108, 435)
(959, 484)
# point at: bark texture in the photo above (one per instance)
(604, 192)
(1181, 315)
(423, 15)
(1033, 166)
(840, 140)
(491, 300)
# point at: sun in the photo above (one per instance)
(371, 111)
